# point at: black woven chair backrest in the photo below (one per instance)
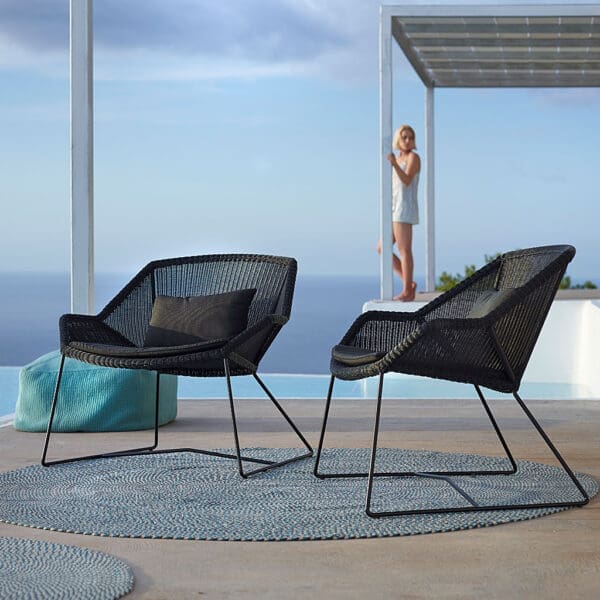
(536, 274)
(273, 277)
(457, 302)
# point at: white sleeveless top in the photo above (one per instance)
(405, 208)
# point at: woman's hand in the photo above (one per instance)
(392, 158)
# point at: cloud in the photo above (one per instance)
(199, 39)
(36, 25)
(202, 39)
(269, 30)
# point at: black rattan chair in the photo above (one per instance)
(481, 332)
(116, 336)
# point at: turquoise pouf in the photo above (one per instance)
(91, 398)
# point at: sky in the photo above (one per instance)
(253, 126)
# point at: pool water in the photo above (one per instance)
(315, 386)
(395, 386)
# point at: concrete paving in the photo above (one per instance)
(553, 557)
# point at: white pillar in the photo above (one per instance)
(82, 157)
(386, 273)
(430, 192)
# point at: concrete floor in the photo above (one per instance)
(553, 557)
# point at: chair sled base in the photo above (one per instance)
(266, 464)
(372, 475)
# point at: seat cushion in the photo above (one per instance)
(146, 352)
(179, 321)
(353, 356)
(91, 398)
(489, 301)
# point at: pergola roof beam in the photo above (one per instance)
(520, 42)
(501, 46)
(410, 53)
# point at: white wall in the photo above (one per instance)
(588, 363)
(555, 355)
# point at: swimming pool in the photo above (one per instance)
(315, 387)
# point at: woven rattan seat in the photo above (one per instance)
(116, 351)
(481, 332)
(116, 336)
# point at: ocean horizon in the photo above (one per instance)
(323, 309)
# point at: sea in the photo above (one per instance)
(323, 309)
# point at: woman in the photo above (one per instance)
(405, 210)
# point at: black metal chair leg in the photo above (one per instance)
(323, 428)
(133, 451)
(374, 447)
(439, 474)
(509, 455)
(156, 410)
(268, 463)
(53, 410)
(445, 476)
(236, 437)
(284, 414)
(553, 448)
(474, 506)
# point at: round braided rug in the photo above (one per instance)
(32, 569)
(194, 496)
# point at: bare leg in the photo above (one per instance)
(403, 236)
(396, 262)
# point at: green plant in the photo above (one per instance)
(447, 281)
(566, 284)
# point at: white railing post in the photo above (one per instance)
(82, 157)
(386, 273)
(430, 191)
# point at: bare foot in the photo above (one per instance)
(407, 296)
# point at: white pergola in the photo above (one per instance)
(468, 46)
(82, 156)
(448, 46)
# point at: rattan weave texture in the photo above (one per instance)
(123, 323)
(441, 341)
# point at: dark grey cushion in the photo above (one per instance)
(488, 301)
(178, 321)
(147, 351)
(353, 356)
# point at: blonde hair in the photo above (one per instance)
(398, 135)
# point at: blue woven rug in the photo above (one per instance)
(193, 496)
(32, 569)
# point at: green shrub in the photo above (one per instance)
(447, 281)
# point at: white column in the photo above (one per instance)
(386, 273)
(82, 157)
(430, 192)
